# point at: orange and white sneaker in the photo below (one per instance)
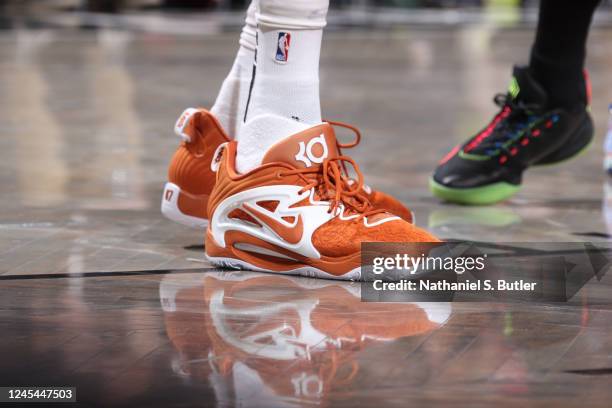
(191, 180)
(190, 175)
(297, 213)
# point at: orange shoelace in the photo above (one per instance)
(349, 127)
(330, 182)
(349, 145)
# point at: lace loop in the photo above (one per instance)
(505, 100)
(349, 127)
(515, 117)
(350, 145)
(330, 182)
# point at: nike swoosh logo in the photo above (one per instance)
(291, 235)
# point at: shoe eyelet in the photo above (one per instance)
(503, 159)
(279, 174)
(536, 132)
(525, 142)
(514, 151)
(549, 124)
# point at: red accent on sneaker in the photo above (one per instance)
(489, 129)
(450, 155)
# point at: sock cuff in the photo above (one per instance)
(294, 14)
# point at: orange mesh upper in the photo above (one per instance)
(390, 204)
(190, 165)
(340, 238)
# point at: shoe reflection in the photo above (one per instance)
(273, 340)
(458, 216)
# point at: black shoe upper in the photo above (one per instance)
(524, 132)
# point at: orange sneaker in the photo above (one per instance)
(191, 180)
(297, 213)
(191, 176)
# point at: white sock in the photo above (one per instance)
(285, 95)
(232, 99)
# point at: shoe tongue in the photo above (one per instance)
(523, 87)
(305, 149)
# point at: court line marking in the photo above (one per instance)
(110, 273)
(591, 371)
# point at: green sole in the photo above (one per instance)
(484, 195)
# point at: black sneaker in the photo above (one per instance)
(527, 131)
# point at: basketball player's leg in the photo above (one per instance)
(559, 51)
(283, 202)
(285, 95)
(543, 119)
(190, 175)
(285, 89)
(231, 101)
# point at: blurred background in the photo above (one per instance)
(123, 5)
(228, 13)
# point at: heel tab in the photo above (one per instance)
(217, 157)
(182, 123)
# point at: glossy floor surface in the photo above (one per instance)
(99, 292)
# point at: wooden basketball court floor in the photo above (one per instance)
(97, 291)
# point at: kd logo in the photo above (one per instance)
(306, 154)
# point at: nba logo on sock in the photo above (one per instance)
(282, 48)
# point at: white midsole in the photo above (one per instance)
(308, 271)
(170, 209)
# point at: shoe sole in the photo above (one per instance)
(307, 271)
(170, 208)
(484, 195)
(261, 257)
